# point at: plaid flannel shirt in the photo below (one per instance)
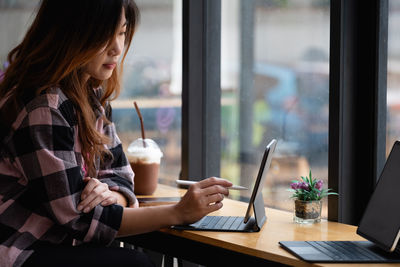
(41, 180)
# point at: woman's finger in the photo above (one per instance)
(97, 190)
(112, 199)
(214, 181)
(214, 207)
(214, 189)
(96, 201)
(215, 198)
(109, 201)
(91, 184)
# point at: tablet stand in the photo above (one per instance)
(259, 212)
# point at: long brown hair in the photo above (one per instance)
(63, 38)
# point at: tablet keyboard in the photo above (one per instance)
(219, 222)
(345, 251)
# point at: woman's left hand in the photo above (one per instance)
(95, 193)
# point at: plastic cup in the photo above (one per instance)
(145, 163)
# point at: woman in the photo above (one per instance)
(63, 175)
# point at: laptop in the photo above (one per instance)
(248, 223)
(380, 225)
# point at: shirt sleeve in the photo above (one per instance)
(116, 170)
(44, 146)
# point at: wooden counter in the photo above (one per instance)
(254, 248)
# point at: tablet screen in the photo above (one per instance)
(259, 184)
(381, 219)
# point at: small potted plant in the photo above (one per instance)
(308, 194)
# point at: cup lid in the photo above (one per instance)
(137, 148)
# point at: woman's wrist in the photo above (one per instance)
(176, 213)
(121, 199)
(147, 219)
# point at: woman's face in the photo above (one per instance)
(102, 65)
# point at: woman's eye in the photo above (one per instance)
(122, 33)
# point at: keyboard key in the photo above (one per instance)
(324, 250)
(345, 251)
(365, 251)
(354, 252)
(342, 253)
(205, 221)
(213, 221)
(221, 222)
(229, 223)
(238, 221)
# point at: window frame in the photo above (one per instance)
(201, 89)
(357, 104)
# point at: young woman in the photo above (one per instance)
(66, 188)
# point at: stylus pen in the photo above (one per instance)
(233, 187)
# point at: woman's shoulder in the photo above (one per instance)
(52, 107)
(52, 101)
(53, 98)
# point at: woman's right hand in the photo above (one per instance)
(202, 198)
(94, 193)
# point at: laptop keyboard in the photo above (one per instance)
(220, 222)
(345, 251)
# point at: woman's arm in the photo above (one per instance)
(116, 170)
(96, 192)
(201, 198)
(44, 142)
(121, 200)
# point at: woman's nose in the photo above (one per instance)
(116, 47)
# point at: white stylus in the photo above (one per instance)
(233, 187)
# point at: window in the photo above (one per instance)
(275, 84)
(152, 78)
(15, 17)
(393, 76)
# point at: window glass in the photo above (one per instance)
(152, 78)
(275, 84)
(393, 76)
(15, 18)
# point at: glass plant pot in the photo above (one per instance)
(306, 212)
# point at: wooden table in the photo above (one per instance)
(233, 249)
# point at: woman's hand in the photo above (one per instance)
(94, 193)
(202, 198)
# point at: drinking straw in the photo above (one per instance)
(141, 122)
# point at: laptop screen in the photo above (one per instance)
(381, 219)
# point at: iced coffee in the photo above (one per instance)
(145, 157)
